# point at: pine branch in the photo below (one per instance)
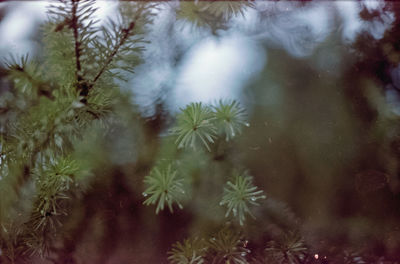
(78, 16)
(18, 69)
(118, 48)
(28, 165)
(126, 34)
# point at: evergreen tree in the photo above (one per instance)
(81, 167)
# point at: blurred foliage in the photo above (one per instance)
(190, 251)
(79, 160)
(290, 249)
(213, 14)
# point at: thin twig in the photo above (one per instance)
(110, 57)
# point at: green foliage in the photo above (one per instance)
(192, 12)
(191, 251)
(163, 188)
(198, 124)
(290, 248)
(99, 52)
(239, 195)
(227, 247)
(39, 243)
(54, 99)
(27, 77)
(125, 38)
(53, 183)
(227, 9)
(60, 99)
(213, 14)
(231, 118)
(9, 241)
(195, 126)
(60, 125)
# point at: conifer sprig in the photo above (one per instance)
(53, 182)
(121, 36)
(77, 15)
(122, 40)
(214, 14)
(26, 73)
(231, 117)
(116, 47)
(239, 195)
(195, 126)
(163, 188)
(227, 9)
(199, 125)
(290, 248)
(227, 247)
(190, 251)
